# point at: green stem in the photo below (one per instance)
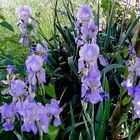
(40, 131)
(131, 129)
(92, 127)
(41, 135)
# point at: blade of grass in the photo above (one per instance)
(72, 134)
(106, 113)
(72, 66)
(69, 128)
(80, 136)
(98, 118)
(87, 129)
(70, 16)
(109, 26)
(131, 27)
(110, 67)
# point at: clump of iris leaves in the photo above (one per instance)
(62, 75)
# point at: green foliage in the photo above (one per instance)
(52, 133)
(49, 89)
(131, 27)
(63, 80)
(72, 66)
(7, 25)
(126, 100)
(106, 4)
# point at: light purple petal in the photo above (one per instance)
(41, 76)
(103, 61)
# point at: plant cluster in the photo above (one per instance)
(83, 73)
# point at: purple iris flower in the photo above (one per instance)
(45, 58)
(132, 51)
(92, 28)
(94, 72)
(34, 63)
(19, 22)
(44, 118)
(8, 125)
(137, 90)
(27, 127)
(91, 89)
(23, 31)
(131, 66)
(79, 41)
(85, 13)
(41, 76)
(7, 110)
(8, 113)
(24, 13)
(24, 22)
(89, 52)
(18, 88)
(91, 84)
(104, 95)
(103, 61)
(136, 102)
(24, 41)
(32, 77)
(42, 47)
(32, 49)
(129, 85)
(29, 112)
(92, 80)
(137, 66)
(55, 110)
(32, 114)
(78, 24)
(84, 30)
(89, 29)
(81, 65)
(95, 97)
(84, 90)
(35, 70)
(92, 97)
(33, 88)
(35, 113)
(137, 111)
(11, 69)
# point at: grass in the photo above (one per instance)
(42, 11)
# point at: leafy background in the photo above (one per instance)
(117, 26)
